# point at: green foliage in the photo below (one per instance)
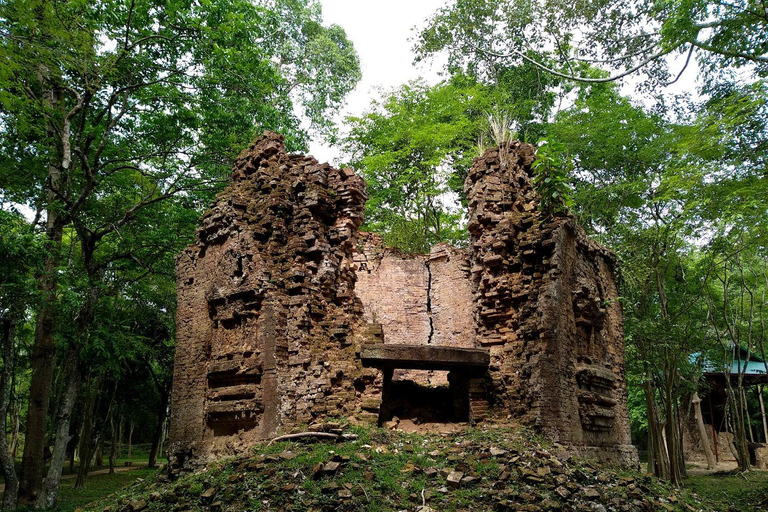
(413, 148)
(552, 169)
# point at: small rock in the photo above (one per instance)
(329, 488)
(138, 505)
(591, 493)
(454, 479)
(330, 467)
(497, 452)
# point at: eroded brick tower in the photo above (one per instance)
(287, 315)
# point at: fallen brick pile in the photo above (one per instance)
(489, 469)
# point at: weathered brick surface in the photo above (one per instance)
(266, 305)
(280, 293)
(546, 305)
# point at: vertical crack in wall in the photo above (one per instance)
(429, 303)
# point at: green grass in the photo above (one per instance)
(96, 487)
(732, 492)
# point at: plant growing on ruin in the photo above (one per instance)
(551, 178)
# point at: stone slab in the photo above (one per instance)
(424, 357)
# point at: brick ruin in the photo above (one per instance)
(288, 315)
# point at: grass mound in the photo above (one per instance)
(492, 468)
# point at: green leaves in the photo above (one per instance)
(414, 147)
(552, 169)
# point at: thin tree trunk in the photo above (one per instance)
(658, 459)
(42, 366)
(762, 413)
(14, 412)
(747, 419)
(120, 423)
(113, 444)
(154, 451)
(86, 436)
(63, 437)
(739, 430)
(130, 440)
(98, 457)
(74, 442)
(43, 360)
(164, 438)
(11, 493)
(711, 462)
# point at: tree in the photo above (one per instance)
(416, 145)
(412, 148)
(621, 36)
(19, 250)
(113, 107)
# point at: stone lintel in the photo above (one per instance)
(424, 357)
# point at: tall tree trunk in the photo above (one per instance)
(711, 462)
(736, 408)
(120, 423)
(7, 461)
(63, 437)
(42, 366)
(97, 446)
(98, 456)
(674, 442)
(658, 459)
(154, 451)
(747, 419)
(44, 349)
(86, 436)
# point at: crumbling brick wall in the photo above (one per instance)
(416, 298)
(266, 304)
(280, 292)
(547, 307)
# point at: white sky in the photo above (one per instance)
(380, 32)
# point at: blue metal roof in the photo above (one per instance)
(755, 365)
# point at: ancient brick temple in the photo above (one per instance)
(288, 315)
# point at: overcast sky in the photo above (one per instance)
(380, 32)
